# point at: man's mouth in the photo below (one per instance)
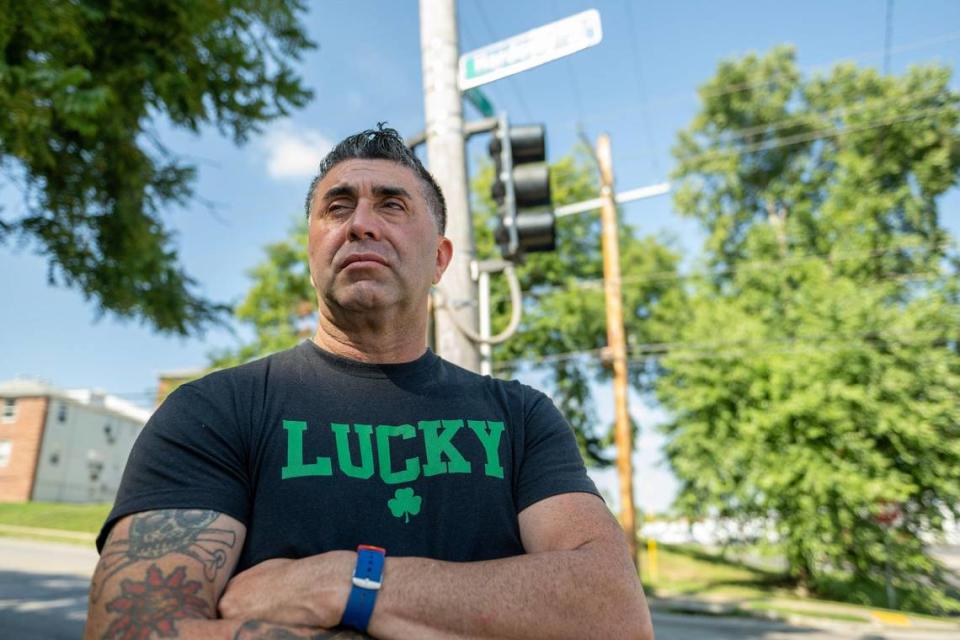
(362, 259)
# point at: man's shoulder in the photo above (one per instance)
(240, 374)
(459, 376)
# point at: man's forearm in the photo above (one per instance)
(555, 594)
(259, 630)
(198, 629)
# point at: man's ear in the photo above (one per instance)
(444, 256)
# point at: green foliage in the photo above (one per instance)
(81, 86)
(277, 304)
(814, 375)
(564, 311)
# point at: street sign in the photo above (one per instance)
(480, 101)
(530, 49)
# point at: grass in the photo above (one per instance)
(797, 611)
(86, 518)
(691, 572)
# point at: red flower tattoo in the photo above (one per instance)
(152, 605)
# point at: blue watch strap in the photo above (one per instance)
(366, 583)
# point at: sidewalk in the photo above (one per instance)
(820, 614)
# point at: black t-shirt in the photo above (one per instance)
(313, 452)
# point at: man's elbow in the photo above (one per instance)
(632, 617)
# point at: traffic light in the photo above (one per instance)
(521, 189)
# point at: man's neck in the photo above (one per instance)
(377, 346)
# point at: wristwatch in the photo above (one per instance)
(367, 578)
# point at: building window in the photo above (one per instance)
(9, 409)
(6, 447)
(62, 412)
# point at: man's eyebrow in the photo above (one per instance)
(340, 190)
(386, 191)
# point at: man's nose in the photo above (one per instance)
(364, 222)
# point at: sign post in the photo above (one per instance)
(889, 515)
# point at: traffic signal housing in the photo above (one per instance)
(521, 189)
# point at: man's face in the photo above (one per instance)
(373, 242)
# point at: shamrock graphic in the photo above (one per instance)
(404, 503)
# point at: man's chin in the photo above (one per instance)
(362, 298)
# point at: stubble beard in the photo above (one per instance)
(361, 296)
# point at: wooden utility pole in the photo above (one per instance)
(443, 109)
(616, 342)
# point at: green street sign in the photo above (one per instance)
(479, 101)
(530, 49)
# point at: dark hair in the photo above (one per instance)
(383, 143)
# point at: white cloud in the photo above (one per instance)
(294, 152)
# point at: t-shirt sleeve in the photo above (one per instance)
(552, 463)
(189, 455)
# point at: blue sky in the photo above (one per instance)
(638, 85)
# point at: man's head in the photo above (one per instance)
(375, 241)
(383, 143)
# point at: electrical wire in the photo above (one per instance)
(662, 348)
(744, 266)
(516, 312)
(811, 136)
(643, 353)
(574, 84)
(888, 38)
(511, 81)
(641, 90)
(670, 101)
(919, 44)
(839, 112)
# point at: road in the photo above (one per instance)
(43, 589)
(43, 596)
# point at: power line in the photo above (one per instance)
(597, 286)
(919, 44)
(839, 112)
(671, 100)
(574, 85)
(638, 75)
(511, 81)
(746, 266)
(642, 353)
(812, 136)
(888, 38)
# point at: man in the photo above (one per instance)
(275, 471)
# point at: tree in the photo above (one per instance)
(563, 331)
(564, 322)
(278, 303)
(813, 376)
(82, 87)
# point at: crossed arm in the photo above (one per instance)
(165, 572)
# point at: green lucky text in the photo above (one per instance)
(440, 455)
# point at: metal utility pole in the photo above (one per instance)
(440, 51)
(616, 342)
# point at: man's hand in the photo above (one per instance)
(576, 580)
(311, 591)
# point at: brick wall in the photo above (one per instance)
(26, 434)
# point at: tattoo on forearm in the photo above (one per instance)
(260, 630)
(154, 534)
(154, 603)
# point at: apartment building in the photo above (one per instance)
(63, 445)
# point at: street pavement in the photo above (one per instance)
(43, 589)
(43, 596)
(669, 626)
